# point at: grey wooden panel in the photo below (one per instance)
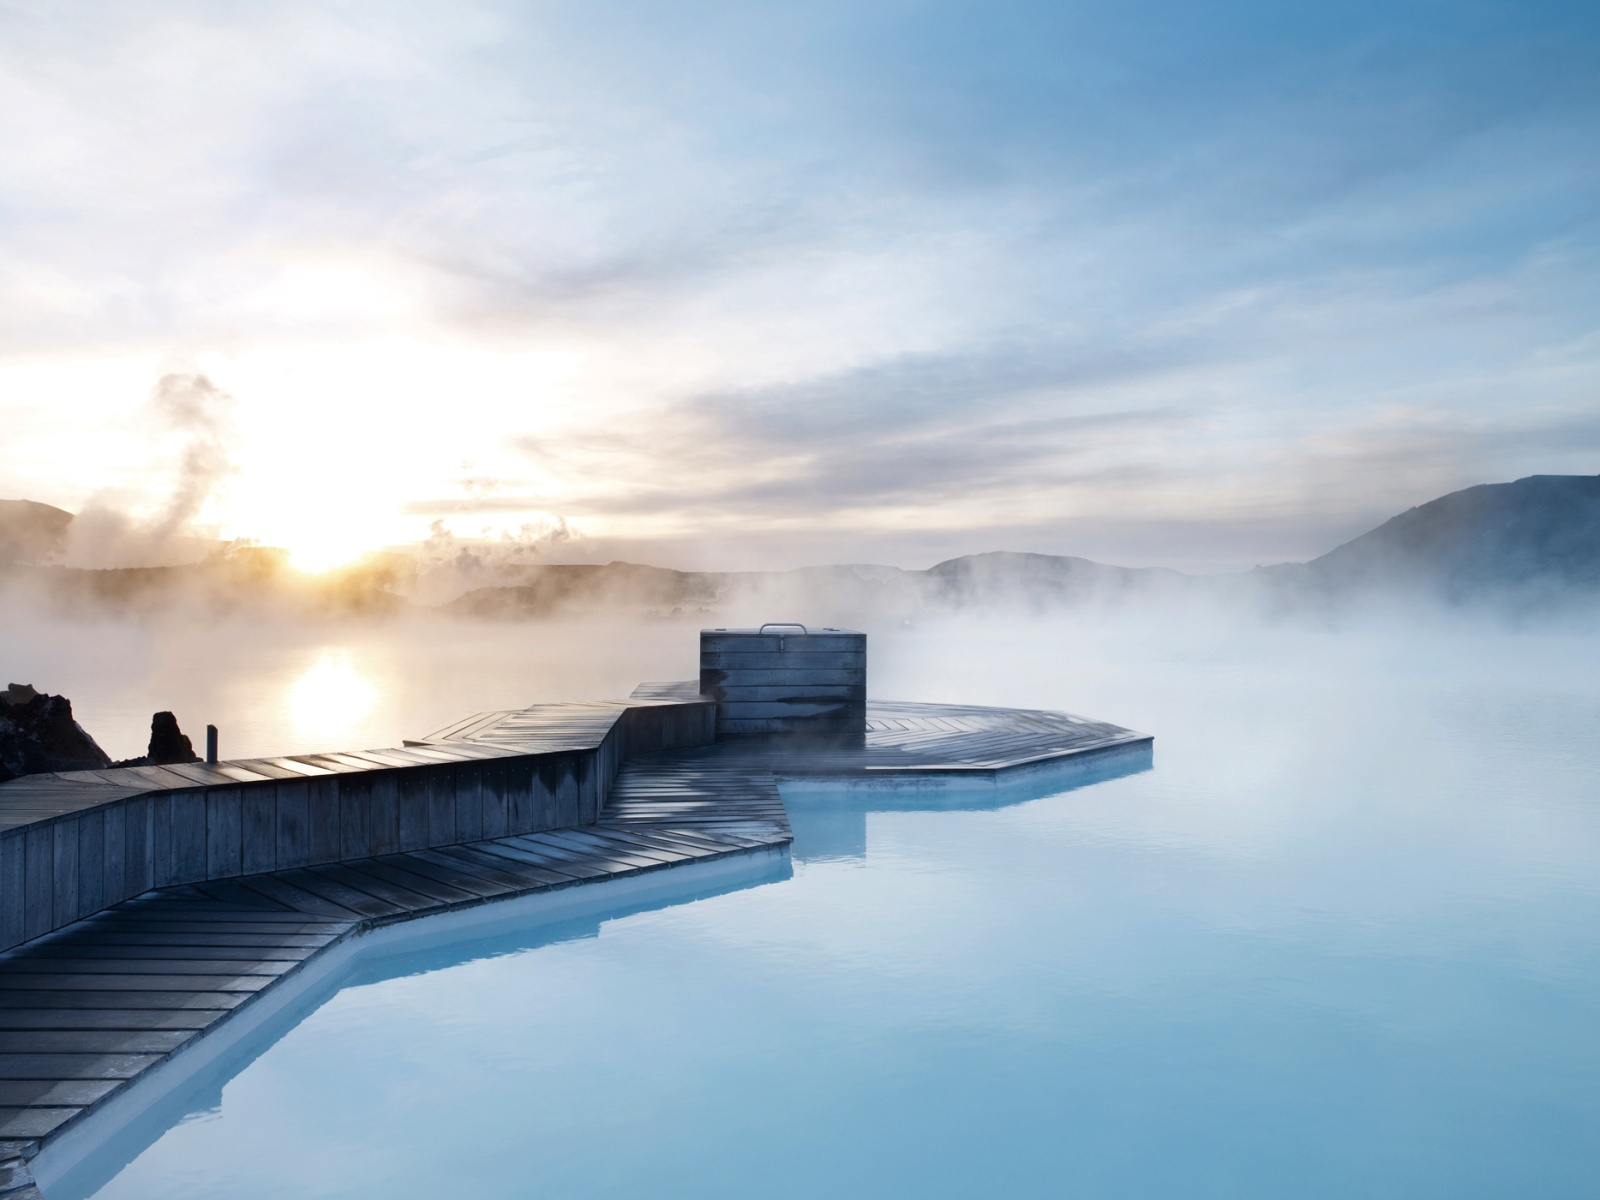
(487, 866)
(32, 1123)
(39, 863)
(258, 828)
(496, 787)
(325, 800)
(161, 870)
(383, 814)
(355, 795)
(93, 1041)
(26, 1019)
(44, 1093)
(293, 823)
(321, 881)
(34, 984)
(733, 641)
(224, 834)
(140, 863)
(469, 806)
(527, 800)
(13, 885)
(789, 660)
(91, 862)
(73, 1066)
(412, 789)
(532, 864)
(78, 950)
(441, 801)
(277, 888)
(190, 835)
(355, 876)
(114, 861)
(451, 882)
(180, 998)
(65, 871)
(840, 690)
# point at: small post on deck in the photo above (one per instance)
(211, 743)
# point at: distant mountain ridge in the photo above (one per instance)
(1533, 541)
(31, 532)
(1526, 544)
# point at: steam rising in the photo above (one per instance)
(448, 566)
(185, 408)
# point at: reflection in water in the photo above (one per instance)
(410, 949)
(829, 823)
(332, 698)
(830, 818)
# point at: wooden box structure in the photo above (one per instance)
(786, 678)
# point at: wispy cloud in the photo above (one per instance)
(845, 270)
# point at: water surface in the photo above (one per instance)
(1343, 940)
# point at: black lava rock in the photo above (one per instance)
(168, 743)
(38, 733)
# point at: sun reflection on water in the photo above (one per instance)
(331, 698)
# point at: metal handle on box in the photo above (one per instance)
(782, 625)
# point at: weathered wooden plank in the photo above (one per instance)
(275, 887)
(33, 1019)
(445, 876)
(514, 876)
(64, 904)
(79, 951)
(39, 886)
(92, 1041)
(560, 869)
(376, 892)
(191, 838)
(54, 1093)
(258, 829)
(73, 1066)
(13, 885)
(412, 789)
(324, 801)
(180, 998)
(390, 871)
(24, 971)
(224, 834)
(36, 984)
(33, 1123)
(319, 882)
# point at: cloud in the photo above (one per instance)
(840, 268)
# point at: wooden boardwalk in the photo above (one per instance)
(86, 1010)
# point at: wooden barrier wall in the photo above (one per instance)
(60, 869)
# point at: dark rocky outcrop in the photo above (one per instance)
(168, 743)
(38, 733)
(1530, 544)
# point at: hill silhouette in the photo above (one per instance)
(1530, 543)
(1534, 541)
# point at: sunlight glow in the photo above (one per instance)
(331, 698)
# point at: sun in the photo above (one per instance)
(317, 552)
(332, 697)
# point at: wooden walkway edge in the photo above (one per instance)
(90, 1009)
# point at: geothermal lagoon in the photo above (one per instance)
(1339, 940)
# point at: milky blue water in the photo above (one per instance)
(1343, 940)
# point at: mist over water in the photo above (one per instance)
(1339, 941)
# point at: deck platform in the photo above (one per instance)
(89, 1009)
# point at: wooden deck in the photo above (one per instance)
(86, 1010)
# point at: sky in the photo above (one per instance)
(742, 285)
